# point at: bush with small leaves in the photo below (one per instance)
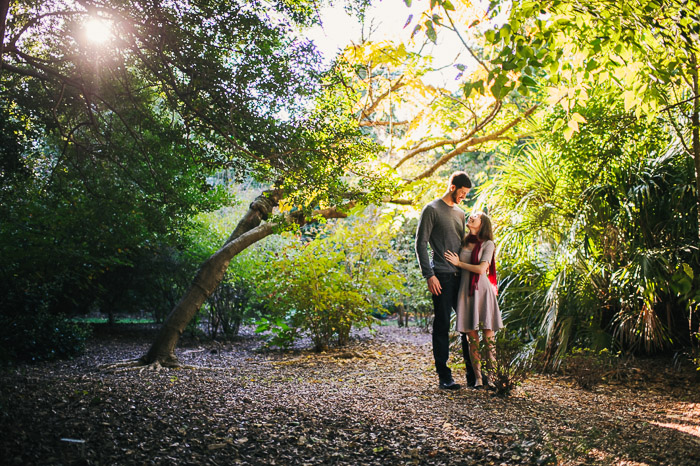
(331, 284)
(513, 362)
(588, 367)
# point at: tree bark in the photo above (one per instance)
(4, 8)
(248, 231)
(696, 131)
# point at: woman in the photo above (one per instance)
(477, 307)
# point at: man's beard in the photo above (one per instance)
(454, 197)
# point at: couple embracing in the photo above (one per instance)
(461, 276)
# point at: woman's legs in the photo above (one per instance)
(489, 340)
(473, 337)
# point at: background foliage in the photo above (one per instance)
(117, 162)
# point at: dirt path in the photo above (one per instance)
(376, 402)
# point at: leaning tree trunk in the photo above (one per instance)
(248, 231)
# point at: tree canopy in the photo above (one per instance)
(115, 115)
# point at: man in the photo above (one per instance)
(442, 226)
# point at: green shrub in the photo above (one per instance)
(277, 333)
(225, 310)
(328, 285)
(514, 361)
(40, 337)
(588, 367)
(232, 302)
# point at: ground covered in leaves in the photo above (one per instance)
(375, 402)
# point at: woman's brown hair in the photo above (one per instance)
(485, 232)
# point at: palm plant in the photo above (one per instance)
(591, 234)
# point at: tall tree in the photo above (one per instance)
(134, 103)
(380, 88)
(647, 49)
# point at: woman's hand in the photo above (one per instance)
(452, 258)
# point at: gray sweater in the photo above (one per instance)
(443, 227)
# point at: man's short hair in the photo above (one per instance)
(460, 179)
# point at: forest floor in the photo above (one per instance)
(374, 402)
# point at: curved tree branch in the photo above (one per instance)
(373, 106)
(473, 142)
(478, 127)
(473, 54)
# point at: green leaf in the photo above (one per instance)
(568, 133)
(578, 118)
(500, 89)
(447, 5)
(511, 65)
(415, 30)
(430, 31)
(528, 81)
(630, 100)
(467, 88)
(558, 124)
(490, 36)
(688, 270)
(504, 32)
(525, 51)
(534, 63)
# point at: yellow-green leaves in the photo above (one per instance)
(630, 99)
(644, 52)
(572, 125)
(430, 31)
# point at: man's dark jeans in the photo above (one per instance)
(443, 306)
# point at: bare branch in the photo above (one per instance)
(36, 19)
(23, 71)
(372, 107)
(473, 142)
(400, 201)
(383, 123)
(489, 118)
(463, 104)
(456, 31)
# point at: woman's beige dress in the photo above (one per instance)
(478, 312)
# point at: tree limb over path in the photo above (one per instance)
(253, 226)
(462, 148)
(250, 229)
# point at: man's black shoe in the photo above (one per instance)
(450, 385)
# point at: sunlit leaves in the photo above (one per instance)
(615, 43)
(128, 134)
(332, 283)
